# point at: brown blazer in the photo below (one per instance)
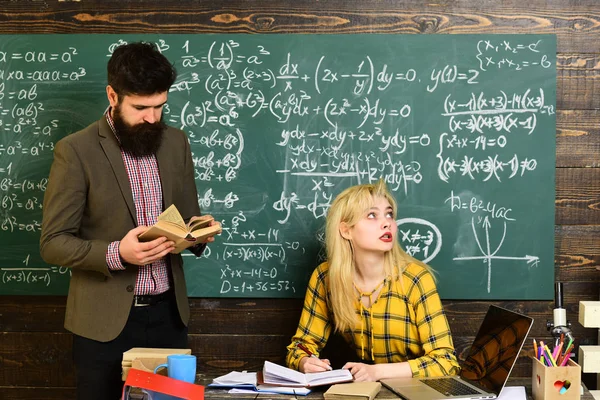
(88, 204)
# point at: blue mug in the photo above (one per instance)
(181, 367)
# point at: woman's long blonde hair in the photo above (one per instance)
(349, 207)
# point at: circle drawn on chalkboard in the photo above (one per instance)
(436, 231)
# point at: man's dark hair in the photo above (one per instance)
(139, 69)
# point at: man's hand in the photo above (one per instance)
(132, 251)
(211, 239)
(362, 372)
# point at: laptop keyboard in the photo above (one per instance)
(449, 386)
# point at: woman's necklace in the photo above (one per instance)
(370, 294)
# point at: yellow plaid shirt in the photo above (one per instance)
(407, 325)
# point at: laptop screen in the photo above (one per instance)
(496, 348)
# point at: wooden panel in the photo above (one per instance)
(577, 253)
(577, 196)
(578, 138)
(577, 78)
(36, 359)
(28, 393)
(32, 313)
(216, 353)
(43, 359)
(238, 352)
(465, 317)
(244, 316)
(280, 317)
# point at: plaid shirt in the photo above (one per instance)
(407, 325)
(144, 179)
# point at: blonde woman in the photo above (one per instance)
(383, 301)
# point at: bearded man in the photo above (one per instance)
(107, 184)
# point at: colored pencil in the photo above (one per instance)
(549, 355)
(565, 360)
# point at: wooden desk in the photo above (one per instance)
(221, 394)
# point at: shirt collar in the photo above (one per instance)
(111, 123)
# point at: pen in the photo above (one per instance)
(307, 351)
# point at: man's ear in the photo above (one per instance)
(113, 97)
(345, 231)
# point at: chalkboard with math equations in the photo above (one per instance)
(461, 127)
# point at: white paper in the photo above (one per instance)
(283, 389)
(273, 389)
(513, 393)
(237, 378)
(241, 391)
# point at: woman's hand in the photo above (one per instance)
(362, 372)
(314, 364)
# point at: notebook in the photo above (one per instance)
(486, 368)
(353, 391)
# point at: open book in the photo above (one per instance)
(171, 225)
(246, 382)
(274, 374)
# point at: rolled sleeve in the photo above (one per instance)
(439, 357)
(314, 327)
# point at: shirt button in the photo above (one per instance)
(130, 288)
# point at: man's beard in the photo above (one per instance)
(141, 139)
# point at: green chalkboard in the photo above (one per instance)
(462, 127)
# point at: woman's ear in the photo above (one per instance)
(345, 231)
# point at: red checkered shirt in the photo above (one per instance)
(144, 180)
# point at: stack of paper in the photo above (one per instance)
(147, 359)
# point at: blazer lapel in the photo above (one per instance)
(111, 148)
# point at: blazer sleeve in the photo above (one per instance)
(191, 196)
(64, 204)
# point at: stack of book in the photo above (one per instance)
(147, 359)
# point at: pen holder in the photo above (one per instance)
(556, 383)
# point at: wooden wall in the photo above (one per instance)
(35, 350)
